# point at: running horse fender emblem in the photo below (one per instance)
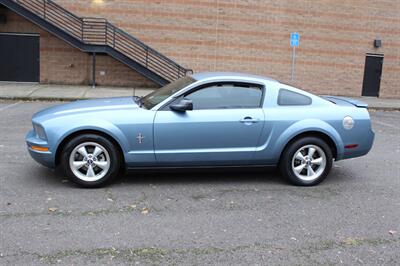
(140, 138)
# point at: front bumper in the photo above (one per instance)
(46, 158)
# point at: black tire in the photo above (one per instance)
(287, 162)
(113, 155)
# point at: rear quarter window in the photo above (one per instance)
(288, 98)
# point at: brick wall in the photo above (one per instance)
(61, 63)
(253, 36)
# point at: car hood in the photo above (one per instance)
(86, 106)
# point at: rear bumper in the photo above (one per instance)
(364, 146)
(46, 158)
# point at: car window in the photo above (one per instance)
(287, 97)
(160, 95)
(226, 96)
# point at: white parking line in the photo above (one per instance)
(9, 106)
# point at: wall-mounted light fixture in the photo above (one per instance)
(98, 2)
(377, 43)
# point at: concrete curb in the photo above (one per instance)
(47, 99)
(388, 109)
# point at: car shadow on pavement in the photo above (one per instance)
(184, 176)
(54, 178)
(49, 176)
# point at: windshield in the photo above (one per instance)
(157, 96)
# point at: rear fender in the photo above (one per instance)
(309, 125)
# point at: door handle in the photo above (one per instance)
(249, 120)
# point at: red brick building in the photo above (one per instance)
(336, 38)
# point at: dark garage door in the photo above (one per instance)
(19, 57)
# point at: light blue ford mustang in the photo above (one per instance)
(207, 119)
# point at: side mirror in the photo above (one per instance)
(183, 106)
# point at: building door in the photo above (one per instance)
(372, 75)
(19, 54)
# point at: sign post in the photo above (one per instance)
(294, 42)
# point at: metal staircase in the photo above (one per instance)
(97, 35)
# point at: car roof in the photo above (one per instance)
(228, 75)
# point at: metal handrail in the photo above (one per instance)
(98, 31)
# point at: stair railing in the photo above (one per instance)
(98, 31)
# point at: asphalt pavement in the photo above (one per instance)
(213, 217)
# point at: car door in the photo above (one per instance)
(222, 129)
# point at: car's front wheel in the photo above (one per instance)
(90, 160)
(306, 162)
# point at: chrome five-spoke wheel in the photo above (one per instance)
(309, 162)
(89, 161)
(306, 161)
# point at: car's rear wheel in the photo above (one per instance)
(90, 160)
(306, 161)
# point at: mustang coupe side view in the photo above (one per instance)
(207, 119)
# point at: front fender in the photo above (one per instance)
(57, 135)
(309, 125)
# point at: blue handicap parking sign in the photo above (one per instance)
(294, 39)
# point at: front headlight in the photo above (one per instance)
(39, 130)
